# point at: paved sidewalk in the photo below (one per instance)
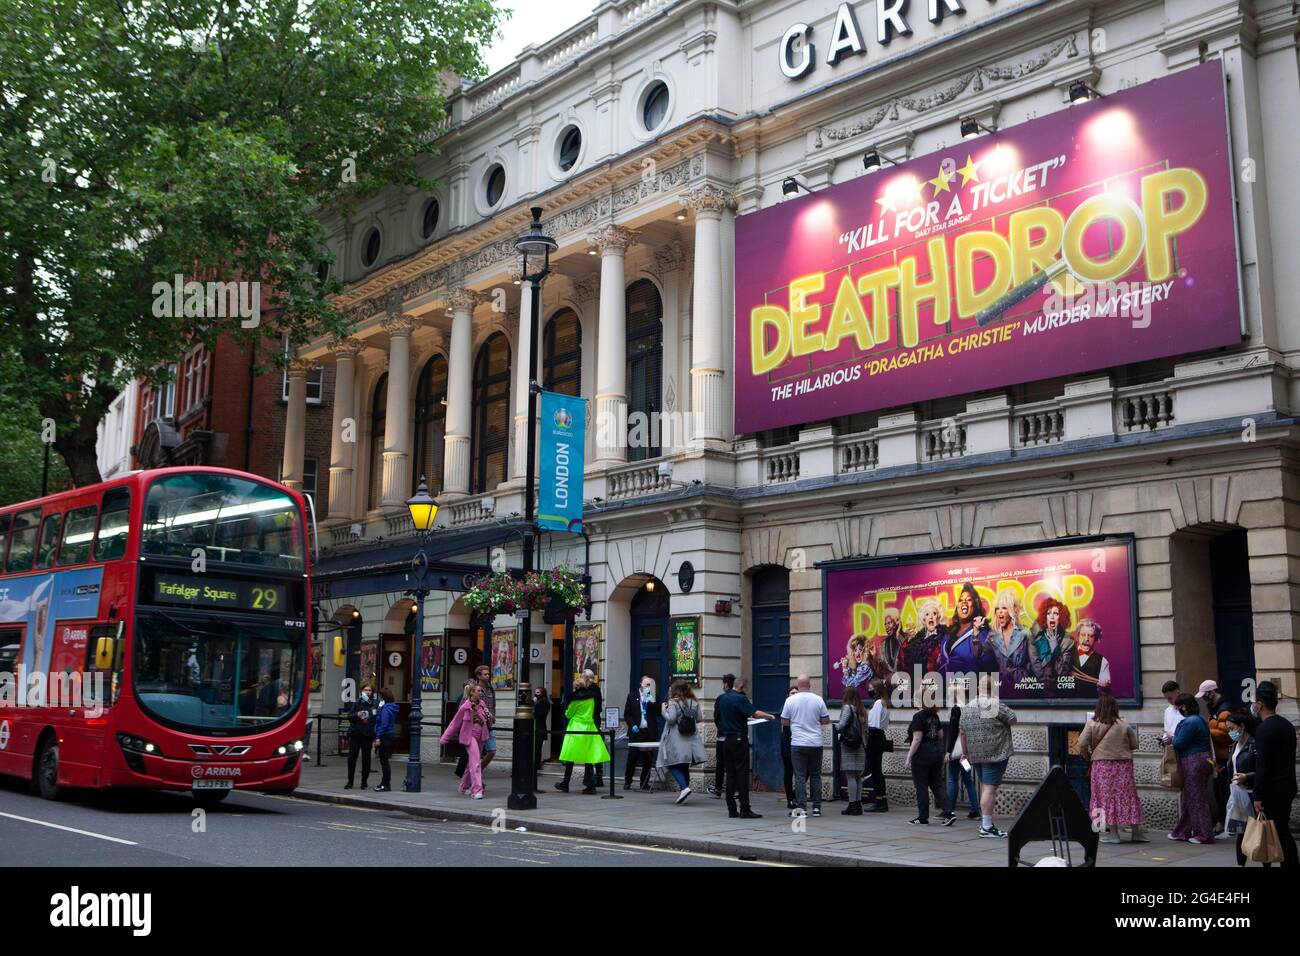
(702, 824)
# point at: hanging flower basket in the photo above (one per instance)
(558, 590)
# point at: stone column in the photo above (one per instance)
(295, 424)
(611, 357)
(397, 431)
(707, 400)
(460, 367)
(519, 455)
(343, 428)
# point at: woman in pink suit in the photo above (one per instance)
(469, 728)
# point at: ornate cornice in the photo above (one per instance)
(672, 257)
(974, 80)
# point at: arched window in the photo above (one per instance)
(491, 409)
(562, 351)
(378, 419)
(430, 425)
(645, 367)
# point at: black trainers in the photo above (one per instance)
(948, 819)
(381, 789)
(588, 790)
(918, 822)
(992, 833)
(750, 815)
(348, 785)
(561, 786)
(817, 811)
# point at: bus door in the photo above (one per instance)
(15, 754)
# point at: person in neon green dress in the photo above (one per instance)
(581, 748)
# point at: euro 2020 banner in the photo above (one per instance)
(559, 489)
(1043, 624)
(1100, 235)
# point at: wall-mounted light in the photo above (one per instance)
(971, 128)
(1081, 92)
(871, 160)
(790, 186)
(650, 585)
(681, 215)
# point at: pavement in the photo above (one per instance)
(701, 825)
(163, 829)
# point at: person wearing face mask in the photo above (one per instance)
(1241, 769)
(361, 735)
(1196, 760)
(385, 737)
(541, 714)
(1273, 784)
(642, 719)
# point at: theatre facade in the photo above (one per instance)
(885, 315)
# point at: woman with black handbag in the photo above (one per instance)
(681, 745)
(878, 744)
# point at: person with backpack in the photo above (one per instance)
(361, 735)
(732, 713)
(853, 750)
(925, 760)
(385, 737)
(681, 744)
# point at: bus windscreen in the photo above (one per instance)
(233, 519)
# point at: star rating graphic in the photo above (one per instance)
(970, 171)
(940, 182)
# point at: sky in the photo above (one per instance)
(535, 22)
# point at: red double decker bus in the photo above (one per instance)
(154, 633)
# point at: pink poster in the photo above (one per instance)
(1100, 235)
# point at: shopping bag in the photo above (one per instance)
(1171, 775)
(1260, 842)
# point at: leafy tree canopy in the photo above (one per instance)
(145, 139)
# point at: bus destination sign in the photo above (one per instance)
(204, 591)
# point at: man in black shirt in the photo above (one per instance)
(732, 713)
(1273, 782)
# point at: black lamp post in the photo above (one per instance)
(423, 510)
(537, 244)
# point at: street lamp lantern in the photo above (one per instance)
(535, 242)
(423, 508)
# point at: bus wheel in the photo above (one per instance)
(47, 770)
(209, 798)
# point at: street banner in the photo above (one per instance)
(586, 647)
(503, 658)
(559, 493)
(1100, 235)
(686, 649)
(1035, 624)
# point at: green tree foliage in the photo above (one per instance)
(145, 139)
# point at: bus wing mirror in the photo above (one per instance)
(105, 651)
(340, 653)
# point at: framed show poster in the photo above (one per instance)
(586, 647)
(685, 635)
(369, 661)
(314, 667)
(503, 658)
(431, 664)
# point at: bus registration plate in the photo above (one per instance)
(214, 784)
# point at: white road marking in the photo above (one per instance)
(56, 826)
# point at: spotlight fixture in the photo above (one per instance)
(971, 128)
(1081, 92)
(650, 585)
(681, 215)
(790, 186)
(872, 160)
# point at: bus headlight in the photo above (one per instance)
(293, 748)
(138, 744)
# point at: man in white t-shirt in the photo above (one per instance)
(805, 713)
(1173, 716)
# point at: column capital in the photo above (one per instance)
(516, 273)
(611, 239)
(299, 368)
(672, 257)
(400, 325)
(587, 288)
(462, 300)
(348, 348)
(707, 199)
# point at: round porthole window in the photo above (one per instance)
(374, 242)
(494, 184)
(570, 147)
(655, 106)
(430, 222)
